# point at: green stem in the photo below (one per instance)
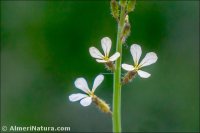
(117, 78)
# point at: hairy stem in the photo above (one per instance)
(117, 77)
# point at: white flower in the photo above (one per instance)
(106, 46)
(149, 59)
(86, 99)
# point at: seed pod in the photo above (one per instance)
(114, 9)
(128, 77)
(131, 5)
(101, 104)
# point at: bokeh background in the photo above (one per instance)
(44, 48)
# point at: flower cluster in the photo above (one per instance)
(88, 97)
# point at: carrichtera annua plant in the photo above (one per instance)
(120, 11)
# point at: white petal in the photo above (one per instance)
(76, 97)
(101, 61)
(136, 52)
(86, 101)
(81, 84)
(94, 52)
(98, 80)
(149, 59)
(143, 74)
(114, 57)
(106, 45)
(127, 67)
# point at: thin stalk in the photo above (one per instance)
(117, 77)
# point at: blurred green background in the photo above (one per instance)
(44, 48)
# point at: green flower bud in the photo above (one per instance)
(123, 3)
(114, 9)
(131, 5)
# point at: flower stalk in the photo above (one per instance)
(117, 76)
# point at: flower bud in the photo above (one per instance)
(123, 3)
(102, 105)
(126, 19)
(131, 5)
(126, 29)
(114, 9)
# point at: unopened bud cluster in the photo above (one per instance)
(127, 5)
(116, 8)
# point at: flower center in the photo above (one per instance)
(106, 58)
(91, 94)
(137, 67)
